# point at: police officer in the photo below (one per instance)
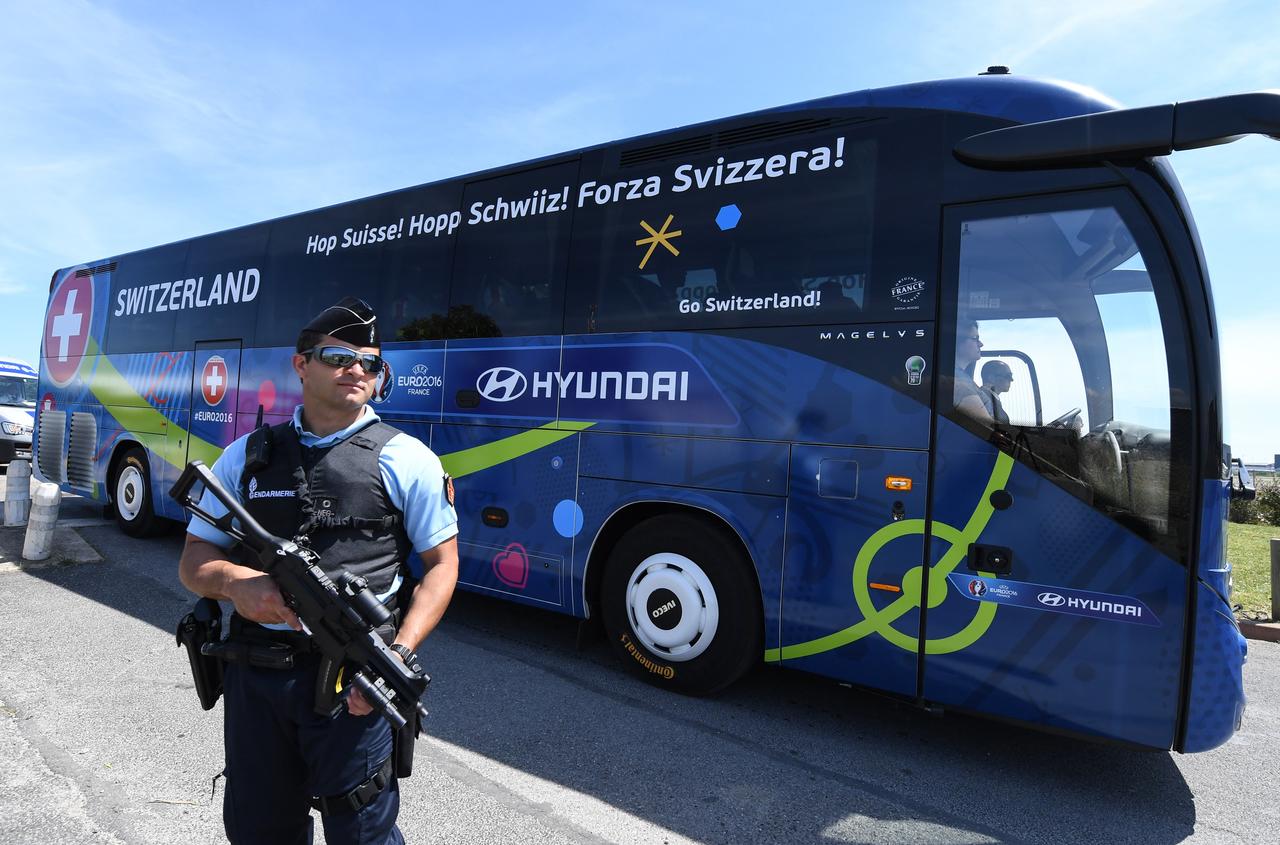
(369, 499)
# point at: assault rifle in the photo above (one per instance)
(341, 614)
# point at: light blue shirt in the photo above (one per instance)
(411, 474)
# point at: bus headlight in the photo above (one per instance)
(15, 429)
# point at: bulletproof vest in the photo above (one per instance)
(333, 500)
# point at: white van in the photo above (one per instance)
(17, 409)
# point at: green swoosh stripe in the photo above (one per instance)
(477, 458)
(137, 416)
(880, 621)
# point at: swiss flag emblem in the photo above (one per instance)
(66, 328)
(213, 380)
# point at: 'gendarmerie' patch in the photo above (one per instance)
(448, 490)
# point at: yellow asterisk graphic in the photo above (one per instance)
(661, 237)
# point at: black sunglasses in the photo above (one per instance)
(341, 356)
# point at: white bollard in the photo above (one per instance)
(17, 493)
(44, 514)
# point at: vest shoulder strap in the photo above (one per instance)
(374, 436)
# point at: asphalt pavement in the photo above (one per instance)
(533, 739)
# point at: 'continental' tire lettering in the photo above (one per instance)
(662, 671)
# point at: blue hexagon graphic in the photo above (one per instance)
(728, 217)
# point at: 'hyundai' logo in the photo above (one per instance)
(1051, 599)
(501, 384)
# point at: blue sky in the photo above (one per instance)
(124, 126)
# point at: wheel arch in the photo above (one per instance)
(122, 447)
(632, 514)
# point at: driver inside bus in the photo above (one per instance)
(967, 396)
(997, 378)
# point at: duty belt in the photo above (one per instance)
(251, 644)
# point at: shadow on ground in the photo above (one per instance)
(780, 757)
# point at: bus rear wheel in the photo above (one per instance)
(681, 605)
(131, 498)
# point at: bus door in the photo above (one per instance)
(1057, 585)
(214, 385)
(857, 495)
(854, 548)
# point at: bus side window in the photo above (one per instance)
(228, 268)
(699, 253)
(413, 290)
(513, 251)
(305, 274)
(140, 321)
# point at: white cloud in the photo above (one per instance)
(7, 284)
(1058, 29)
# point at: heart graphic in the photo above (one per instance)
(511, 565)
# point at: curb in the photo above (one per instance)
(1267, 631)
(67, 547)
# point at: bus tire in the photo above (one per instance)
(681, 605)
(131, 500)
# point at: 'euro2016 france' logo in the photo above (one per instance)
(385, 384)
(977, 588)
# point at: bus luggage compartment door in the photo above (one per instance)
(512, 484)
(854, 548)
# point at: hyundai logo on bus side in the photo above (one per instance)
(1051, 600)
(501, 384)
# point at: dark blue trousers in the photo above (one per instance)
(280, 754)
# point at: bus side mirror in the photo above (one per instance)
(1241, 482)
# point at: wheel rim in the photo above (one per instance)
(672, 605)
(129, 493)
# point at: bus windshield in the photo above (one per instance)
(18, 392)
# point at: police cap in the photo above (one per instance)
(350, 320)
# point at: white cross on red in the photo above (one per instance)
(214, 379)
(67, 325)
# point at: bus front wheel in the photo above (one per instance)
(131, 498)
(681, 605)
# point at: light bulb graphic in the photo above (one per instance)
(915, 368)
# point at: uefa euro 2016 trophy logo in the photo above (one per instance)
(385, 384)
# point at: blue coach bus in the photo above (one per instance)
(915, 388)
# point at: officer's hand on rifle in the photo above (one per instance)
(257, 598)
(357, 704)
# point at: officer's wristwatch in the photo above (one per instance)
(407, 654)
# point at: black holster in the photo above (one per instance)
(200, 627)
(402, 746)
